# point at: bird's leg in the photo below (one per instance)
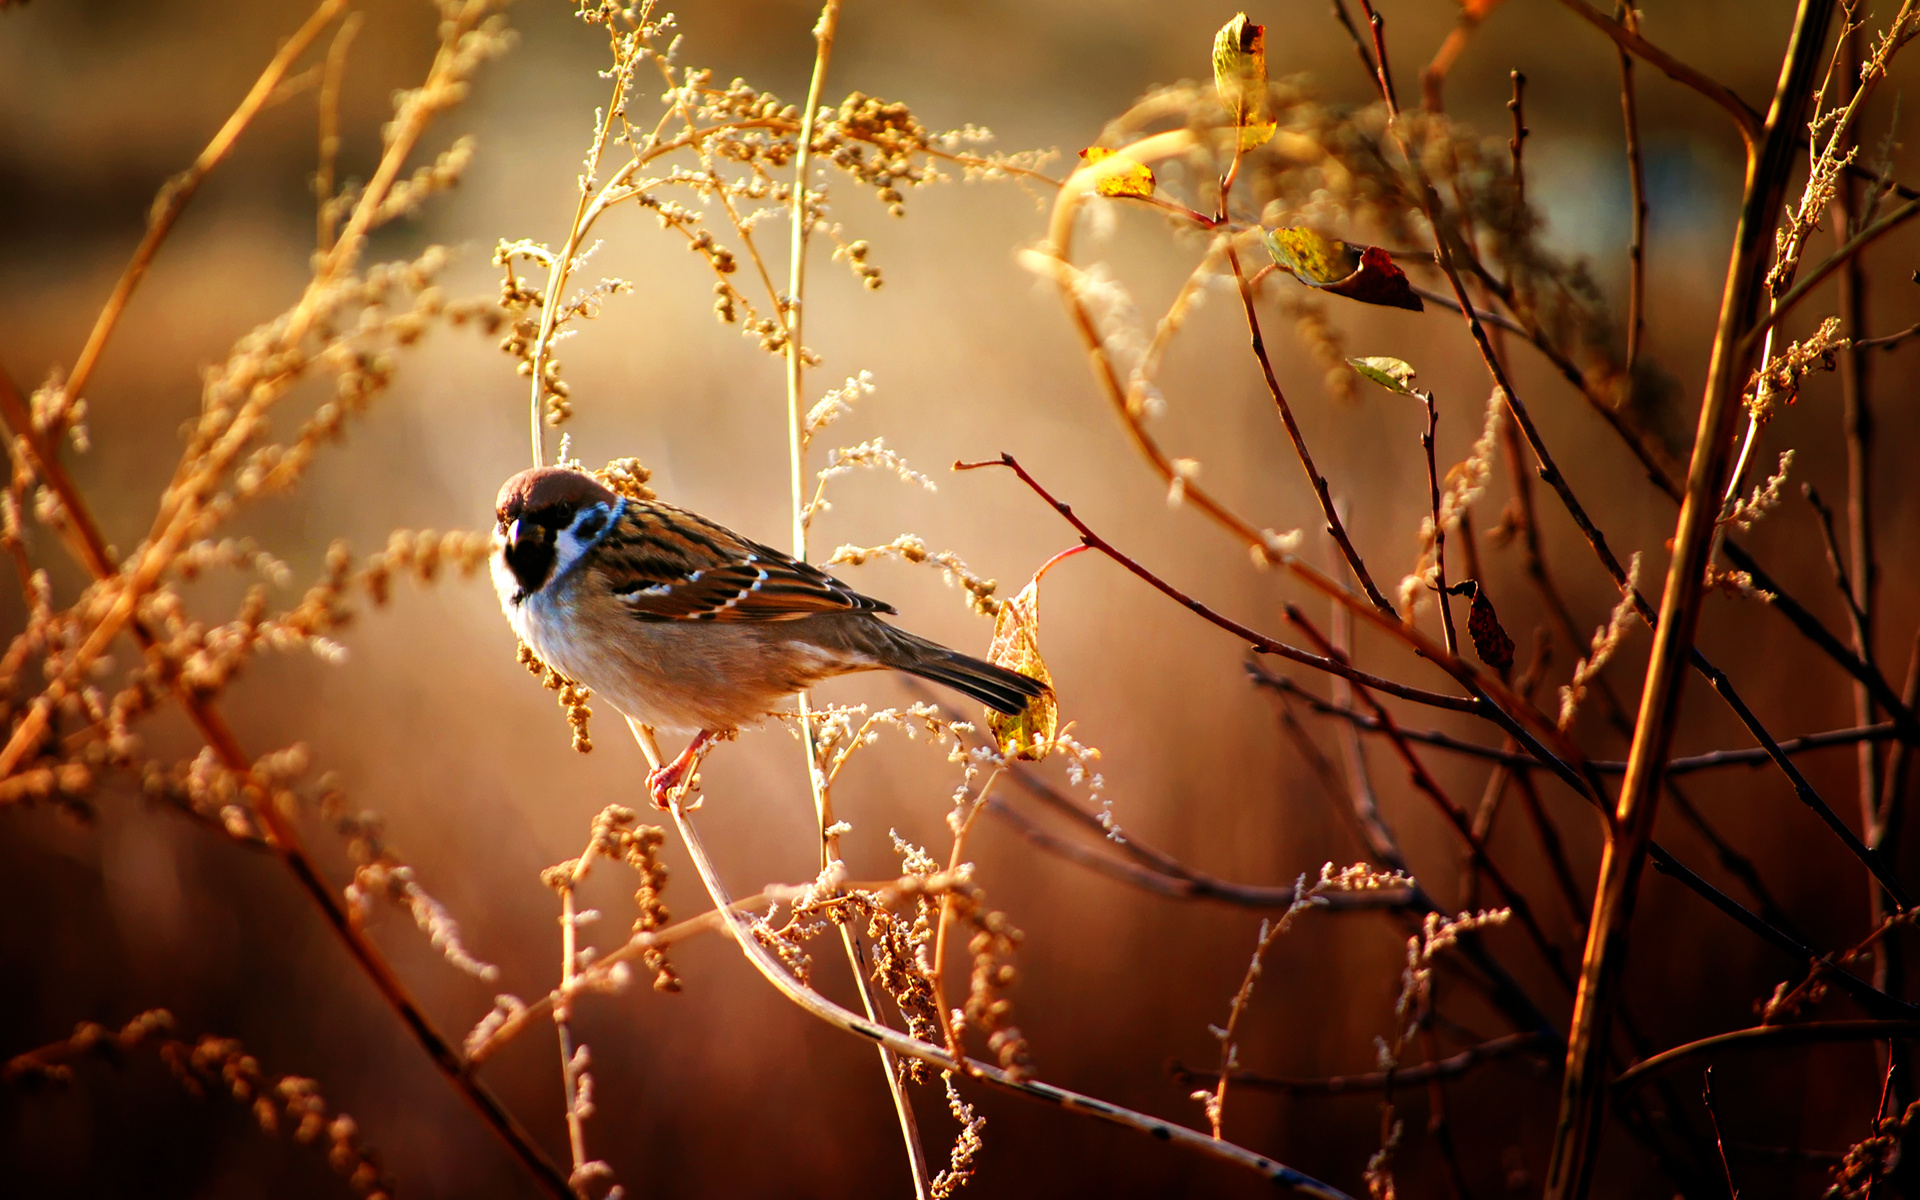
(662, 781)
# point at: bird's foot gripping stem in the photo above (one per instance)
(663, 782)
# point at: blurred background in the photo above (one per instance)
(726, 1089)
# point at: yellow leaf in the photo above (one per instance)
(1115, 174)
(1240, 75)
(1028, 734)
(1364, 273)
(1257, 134)
(1314, 259)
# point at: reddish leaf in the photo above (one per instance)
(1365, 273)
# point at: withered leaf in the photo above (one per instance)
(1027, 735)
(1366, 273)
(1115, 174)
(1490, 640)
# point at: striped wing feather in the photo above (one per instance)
(668, 564)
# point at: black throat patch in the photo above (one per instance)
(531, 557)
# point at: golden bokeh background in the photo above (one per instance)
(726, 1090)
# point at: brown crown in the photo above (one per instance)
(549, 488)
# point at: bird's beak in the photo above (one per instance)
(513, 533)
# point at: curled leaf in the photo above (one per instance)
(1490, 640)
(1393, 374)
(1240, 75)
(1115, 174)
(1366, 273)
(1028, 734)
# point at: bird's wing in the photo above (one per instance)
(667, 564)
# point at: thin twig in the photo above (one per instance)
(1450, 1067)
(89, 548)
(1750, 757)
(1576, 1135)
(1744, 118)
(826, 1010)
(1335, 527)
(1550, 472)
(179, 190)
(1382, 71)
(1901, 713)
(1494, 701)
(1865, 994)
(1713, 1117)
(1439, 528)
(1762, 1038)
(1637, 185)
(1517, 142)
(329, 103)
(793, 313)
(1425, 783)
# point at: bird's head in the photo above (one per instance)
(544, 521)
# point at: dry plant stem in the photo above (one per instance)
(1514, 759)
(1713, 1117)
(209, 458)
(1850, 595)
(1379, 842)
(562, 1016)
(1493, 701)
(1858, 583)
(282, 835)
(1555, 850)
(1439, 530)
(1363, 804)
(90, 548)
(1810, 280)
(1893, 794)
(1433, 76)
(1637, 183)
(562, 267)
(1439, 1127)
(1154, 871)
(329, 104)
(1863, 993)
(1898, 710)
(1185, 885)
(1517, 143)
(1450, 1067)
(181, 188)
(1363, 837)
(1550, 472)
(946, 908)
(826, 1010)
(1335, 527)
(1577, 1131)
(1424, 782)
(791, 314)
(1345, 18)
(1502, 706)
(1630, 41)
(1382, 72)
(1760, 1038)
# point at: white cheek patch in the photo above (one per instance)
(589, 528)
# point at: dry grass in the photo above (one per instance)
(1290, 205)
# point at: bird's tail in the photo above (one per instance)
(996, 687)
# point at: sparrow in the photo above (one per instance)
(687, 627)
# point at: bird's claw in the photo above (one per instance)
(663, 782)
(677, 776)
